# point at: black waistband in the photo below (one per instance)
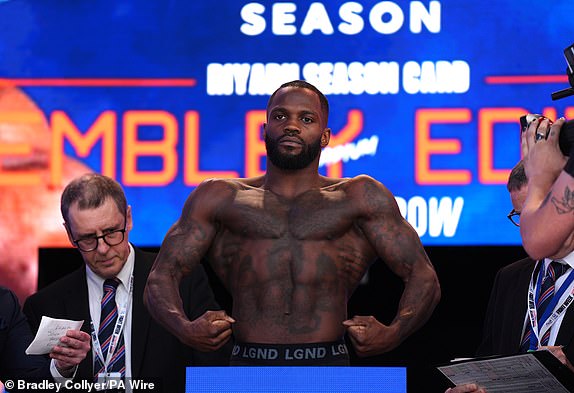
(312, 354)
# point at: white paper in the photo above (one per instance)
(512, 374)
(49, 334)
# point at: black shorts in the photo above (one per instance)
(311, 354)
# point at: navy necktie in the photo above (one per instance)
(108, 318)
(554, 271)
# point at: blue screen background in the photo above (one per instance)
(179, 39)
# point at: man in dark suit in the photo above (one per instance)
(98, 221)
(506, 318)
(15, 337)
(506, 325)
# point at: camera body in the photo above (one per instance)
(569, 55)
(566, 138)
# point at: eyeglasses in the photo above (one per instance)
(514, 216)
(112, 238)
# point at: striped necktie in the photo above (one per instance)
(554, 271)
(108, 318)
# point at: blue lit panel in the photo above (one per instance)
(296, 379)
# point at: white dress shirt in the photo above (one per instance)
(95, 293)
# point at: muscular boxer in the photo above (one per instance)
(291, 246)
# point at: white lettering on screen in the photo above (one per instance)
(384, 17)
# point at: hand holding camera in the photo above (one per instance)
(566, 131)
(544, 156)
(546, 220)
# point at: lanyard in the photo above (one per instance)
(551, 313)
(118, 329)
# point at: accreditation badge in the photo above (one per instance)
(108, 381)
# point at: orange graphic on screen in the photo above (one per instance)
(29, 201)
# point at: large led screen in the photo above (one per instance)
(425, 97)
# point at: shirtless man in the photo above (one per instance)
(291, 246)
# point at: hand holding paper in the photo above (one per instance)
(49, 334)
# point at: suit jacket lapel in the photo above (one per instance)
(77, 307)
(140, 317)
(519, 311)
